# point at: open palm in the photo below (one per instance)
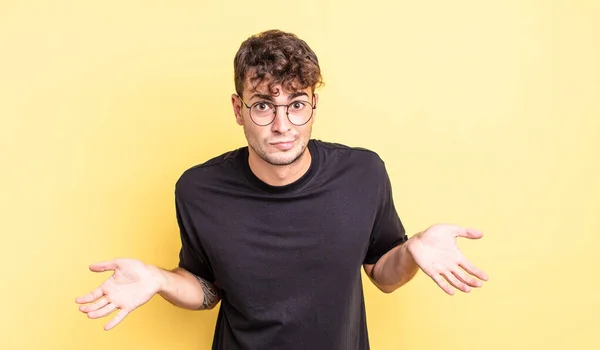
(435, 251)
(132, 284)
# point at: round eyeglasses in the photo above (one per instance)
(263, 113)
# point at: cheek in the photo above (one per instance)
(254, 132)
(305, 130)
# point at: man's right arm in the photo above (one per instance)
(186, 290)
(133, 283)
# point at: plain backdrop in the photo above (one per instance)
(486, 113)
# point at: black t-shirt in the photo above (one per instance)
(288, 259)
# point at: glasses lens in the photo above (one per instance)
(300, 112)
(262, 113)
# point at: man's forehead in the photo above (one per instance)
(266, 88)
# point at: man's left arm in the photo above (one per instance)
(393, 269)
(435, 252)
(393, 259)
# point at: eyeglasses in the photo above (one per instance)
(263, 113)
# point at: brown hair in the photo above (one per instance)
(281, 58)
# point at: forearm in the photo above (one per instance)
(183, 289)
(395, 268)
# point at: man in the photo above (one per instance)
(278, 230)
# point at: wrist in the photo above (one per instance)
(413, 243)
(160, 278)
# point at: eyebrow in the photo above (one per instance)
(270, 98)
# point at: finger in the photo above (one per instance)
(104, 311)
(441, 282)
(116, 320)
(466, 279)
(88, 298)
(472, 269)
(455, 282)
(469, 233)
(104, 266)
(95, 306)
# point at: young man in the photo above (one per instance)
(278, 230)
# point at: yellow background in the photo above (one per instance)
(487, 114)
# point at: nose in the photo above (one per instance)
(281, 124)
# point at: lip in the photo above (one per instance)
(283, 145)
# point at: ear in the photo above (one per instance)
(237, 109)
(316, 106)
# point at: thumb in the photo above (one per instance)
(104, 266)
(469, 233)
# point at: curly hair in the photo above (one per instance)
(280, 58)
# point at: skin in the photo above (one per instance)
(269, 163)
(434, 250)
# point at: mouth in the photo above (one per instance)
(283, 145)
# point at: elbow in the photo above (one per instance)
(208, 305)
(388, 289)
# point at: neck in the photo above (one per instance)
(279, 175)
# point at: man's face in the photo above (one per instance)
(281, 142)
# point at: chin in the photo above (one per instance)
(282, 158)
(273, 156)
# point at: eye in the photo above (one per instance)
(298, 105)
(262, 106)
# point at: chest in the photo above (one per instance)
(259, 246)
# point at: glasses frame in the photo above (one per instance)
(287, 113)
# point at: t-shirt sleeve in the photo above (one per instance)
(192, 256)
(388, 231)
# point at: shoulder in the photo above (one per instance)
(344, 154)
(209, 173)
